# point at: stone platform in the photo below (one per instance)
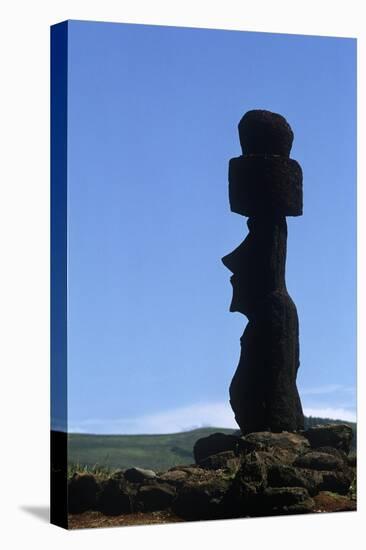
(260, 474)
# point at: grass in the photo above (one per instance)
(98, 471)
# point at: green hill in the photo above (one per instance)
(158, 452)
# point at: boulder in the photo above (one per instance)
(242, 498)
(174, 477)
(214, 444)
(314, 460)
(334, 452)
(283, 475)
(287, 441)
(337, 481)
(155, 497)
(201, 500)
(331, 435)
(138, 475)
(82, 493)
(253, 470)
(194, 469)
(286, 500)
(314, 480)
(272, 457)
(277, 456)
(226, 460)
(114, 498)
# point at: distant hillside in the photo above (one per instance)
(158, 452)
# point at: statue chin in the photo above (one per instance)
(245, 294)
(235, 308)
(239, 303)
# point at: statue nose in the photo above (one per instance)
(227, 261)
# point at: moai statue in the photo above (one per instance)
(265, 185)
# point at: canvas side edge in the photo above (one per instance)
(58, 253)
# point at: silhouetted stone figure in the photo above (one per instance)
(265, 185)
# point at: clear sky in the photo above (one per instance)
(152, 124)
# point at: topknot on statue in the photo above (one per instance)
(264, 133)
(265, 181)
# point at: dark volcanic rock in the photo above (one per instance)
(137, 475)
(114, 498)
(265, 397)
(193, 469)
(338, 453)
(314, 480)
(286, 500)
(215, 443)
(319, 461)
(266, 185)
(332, 435)
(253, 470)
(270, 457)
(263, 186)
(337, 481)
(174, 477)
(82, 493)
(226, 460)
(201, 500)
(155, 497)
(278, 456)
(293, 442)
(265, 133)
(249, 482)
(282, 475)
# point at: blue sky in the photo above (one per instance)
(152, 124)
